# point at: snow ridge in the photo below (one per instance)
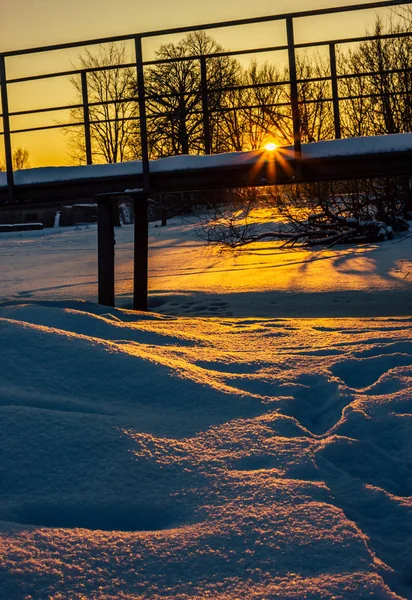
(147, 456)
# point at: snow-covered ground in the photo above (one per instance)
(188, 278)
(216, 448)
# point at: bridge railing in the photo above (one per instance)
(284, 94)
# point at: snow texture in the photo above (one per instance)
(189, 278)
(148, 455)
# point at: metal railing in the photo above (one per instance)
(203, 108)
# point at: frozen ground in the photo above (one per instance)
(188, 278)
(239, 454)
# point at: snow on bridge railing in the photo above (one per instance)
(395, 144)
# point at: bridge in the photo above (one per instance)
(377, 156)
(202, 164)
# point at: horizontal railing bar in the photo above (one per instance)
(280, 17)
(207, 26)
(345, 98)
(374, 73)
(301, 102)
(219, 110)
(73, 72)
(35, 111)
(71, 106)
(150, 116)
(58, 126)
(169, 114)
(65, 125)
(235, 88)
(255, 106)
(163, 61)
(212, 91)
(70, 73)
(77, 124)
(285, 82)
(282, 48)
(69, 45)
(375, 95)
(215, 91)
(44, 76)
(354, 40)
(253, 86)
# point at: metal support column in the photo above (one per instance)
(105, 251)
(6, 130)
(297, 141)
(335, 90)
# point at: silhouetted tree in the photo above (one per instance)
(253, 113)
(174, 95)
(20, 160)
(325, 213)
(381, 102)
(112, 110)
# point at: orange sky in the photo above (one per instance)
(28, 23)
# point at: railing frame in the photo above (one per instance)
(291, 47)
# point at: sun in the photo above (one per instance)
(270, 146)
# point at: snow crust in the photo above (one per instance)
(400, 142)
(149, 455)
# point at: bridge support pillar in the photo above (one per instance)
(105, 250)
(141, 251)
(105, 247)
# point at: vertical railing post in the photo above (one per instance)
(141, 233)
(6, 129)
(297, 140)
(141, 93)
(205, 106)
(335, 90)
(86, 119)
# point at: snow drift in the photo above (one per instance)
(146, 456)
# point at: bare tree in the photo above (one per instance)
(378, 83)
(325, 213)
(20, 160)
(316, 116)
(260, 108)
(255, 111)
(174, 95)
(112, 109)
